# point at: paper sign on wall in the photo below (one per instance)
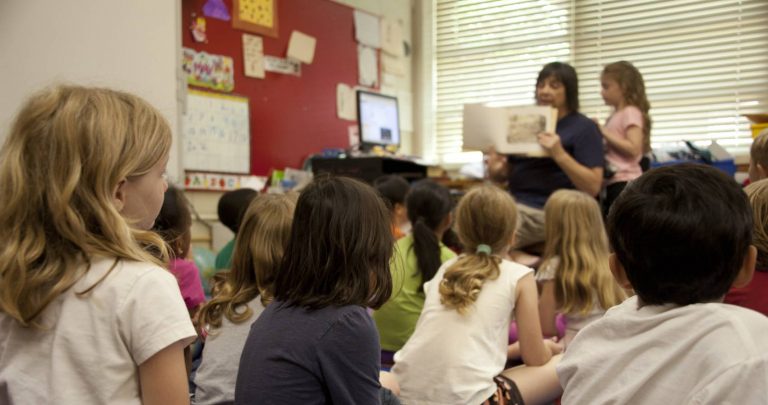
(253, 56)
(392, 37)
(301, 47)
(368, 66)
(392, 64)
(281, 65)
(367, 30)
(345, 102)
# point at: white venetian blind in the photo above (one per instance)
(491, 51)
(705, 63)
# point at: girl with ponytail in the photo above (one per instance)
(415, 261)
(459, 349)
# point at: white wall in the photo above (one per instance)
(130, 45)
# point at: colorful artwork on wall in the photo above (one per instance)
(215, 72)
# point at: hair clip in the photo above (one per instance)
(483, 248)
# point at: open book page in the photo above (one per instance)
(510, 130)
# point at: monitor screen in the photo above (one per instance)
(378, 119)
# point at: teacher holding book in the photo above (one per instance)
(574, 155)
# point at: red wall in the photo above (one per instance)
(291, 117)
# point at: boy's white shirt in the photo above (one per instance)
(90, 346)
(452, 358)
(709, 353)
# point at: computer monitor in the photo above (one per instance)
(378, 120)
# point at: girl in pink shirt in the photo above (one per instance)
(627, 131)
(174, 224)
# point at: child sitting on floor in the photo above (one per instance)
(574, 278)
(681, 236)
(458, 351)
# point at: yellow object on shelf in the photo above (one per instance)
(759, 123)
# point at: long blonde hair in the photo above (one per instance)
(757, 193)
(486, 215)
(632, 87)
(576, 235)
(67, 151)
(259, 247)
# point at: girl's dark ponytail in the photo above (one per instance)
(428, 205)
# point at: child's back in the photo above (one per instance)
(681, 237)
(459, 346)
(89, 346)
(87, 313)
(416, 259)
(228, 317)
(574, 278)
(463, 351)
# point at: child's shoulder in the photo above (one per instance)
(514, 269)
(121, 277)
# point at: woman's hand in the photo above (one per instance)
(551, 144)
(496, 165)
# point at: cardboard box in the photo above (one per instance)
(759, 123)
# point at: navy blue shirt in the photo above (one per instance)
(532, 180)
(299, 356)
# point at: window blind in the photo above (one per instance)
(491, 51)
(704, 63)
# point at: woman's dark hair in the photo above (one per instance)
(174, 221)
(232, 206)
(565, 74)
(339, 249)
(393, 188)
(428, 204)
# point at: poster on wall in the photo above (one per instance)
(256, 16)
(206, 70)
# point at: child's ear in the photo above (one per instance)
(747, 268)
(400, 211)
(447, 221)
(618, 272)
(761, 171)
(118, 196)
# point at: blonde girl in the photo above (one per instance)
(87, 314)
(627, 132)
(753, 295)
(458, 351)
(574, 276)
(248, 289)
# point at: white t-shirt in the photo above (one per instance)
(574, 323)
(216, 376)
(452, 358)
(664, 354)
(90, 346)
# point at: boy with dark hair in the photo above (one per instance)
(232, 205)
(681, 236)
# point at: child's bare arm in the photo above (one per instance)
(163, 377)
(532, 348)
(548, 308)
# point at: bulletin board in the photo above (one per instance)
(216, 133)
(291, 117)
